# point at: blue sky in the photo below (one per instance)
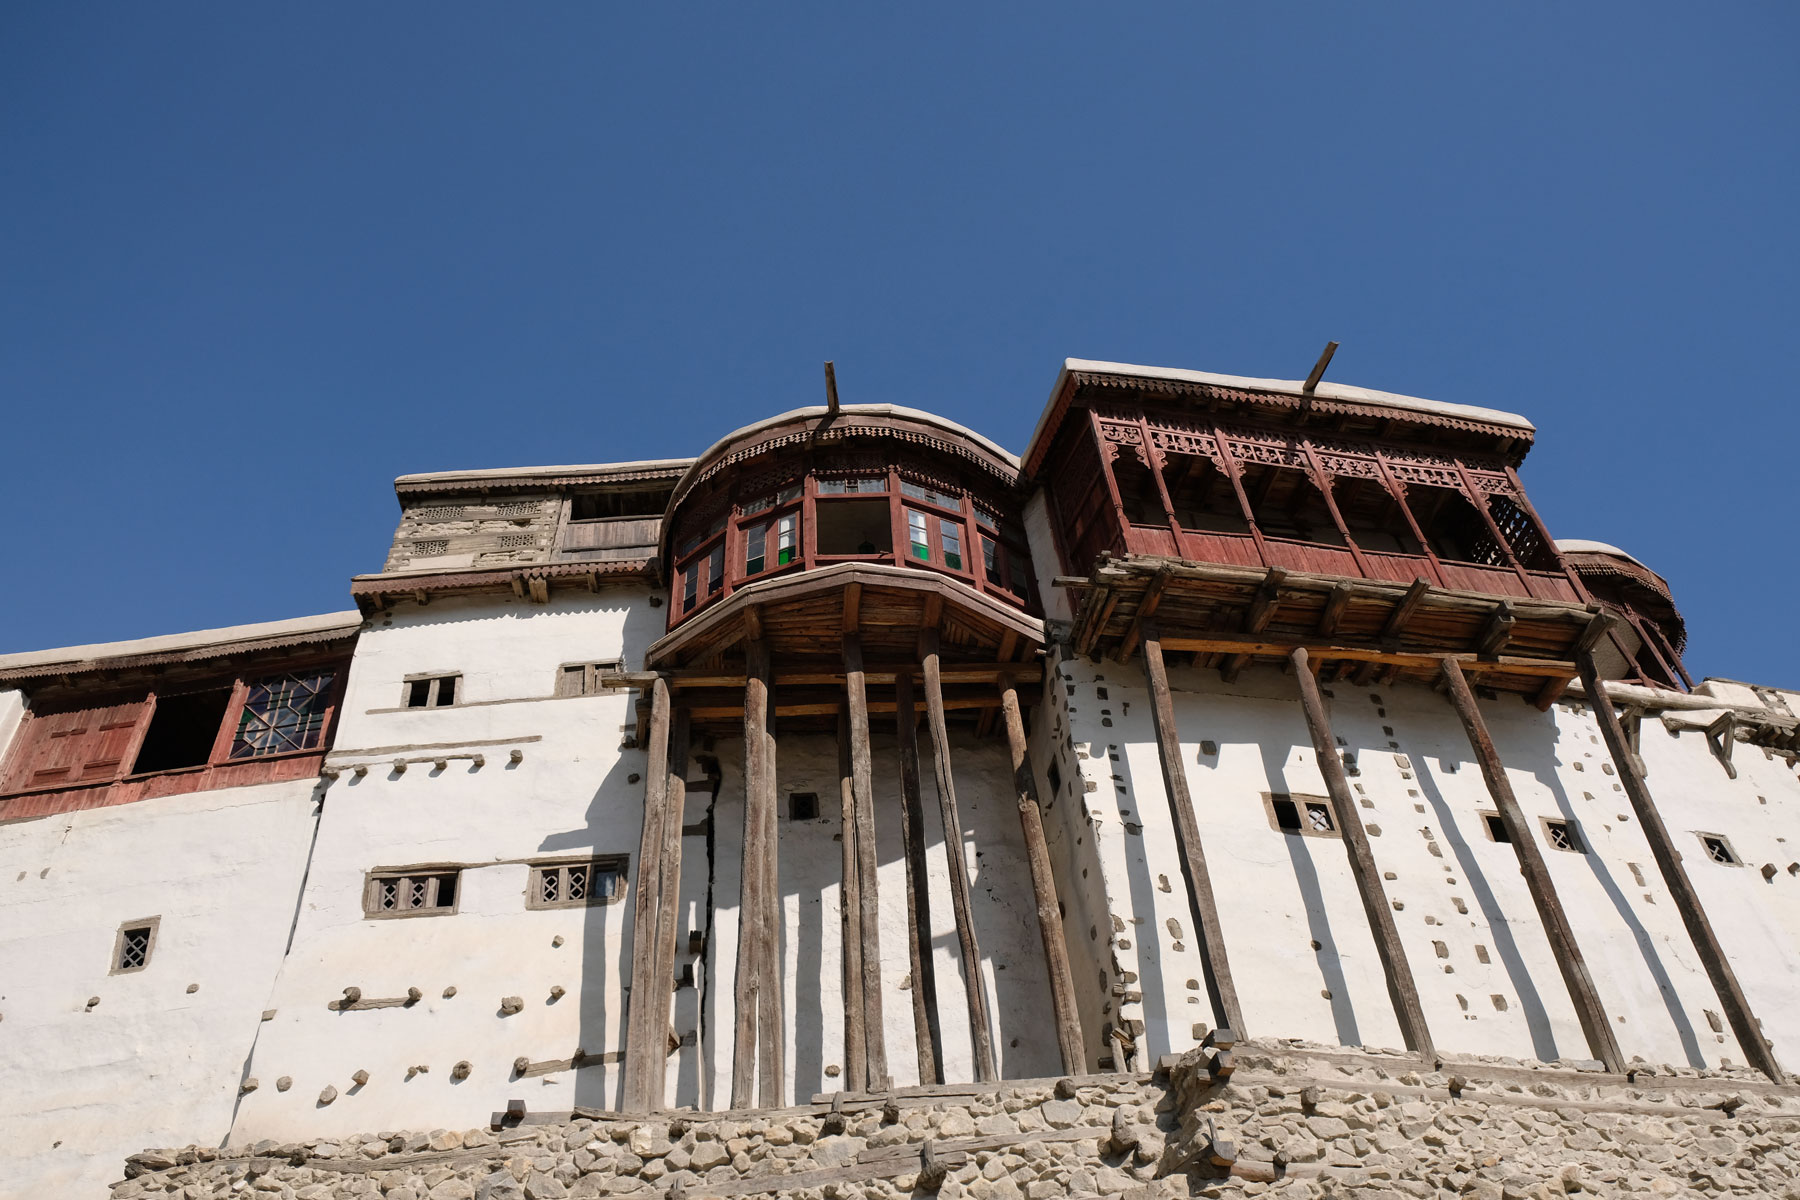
(255, 261)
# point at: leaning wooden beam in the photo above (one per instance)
(1281, 647)
(1148, 603)
(1335, 604)
(751, 880)
(918, 890)
(668, 909)
(1668, 860)
(771, 1036)
(974, 986)
(1268, 599)
(850, 913)
(1403, 611)
(1201, 902)
(646, 1046)
(1043, 888)
(1401, 985)
(863, 783)
(1592, 1014)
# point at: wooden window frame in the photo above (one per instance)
(372, 910)
(154, 924)
(435, 678)
(1737, 860)
(1302, 803)
(1545, 826)
(615, 863)
(590, 678)
(770, 517)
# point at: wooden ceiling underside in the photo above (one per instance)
(1367, 630)
(805, 619)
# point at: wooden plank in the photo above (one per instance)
(883, 674)
(644, 1043)
(1401, 985)
(974, 986)
(1403, 612)
(918, 890)
(1668, 860)
(668, 909)
(850, 915)
(1592, 1014)
(747, 993)
(1280, 647)
(1202, 904)
(1043, 888)
(862, 783)
(823, 708)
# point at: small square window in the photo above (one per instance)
(1562, 835)
(575, 884)
(803, 806)
(1318, 818)
(415, 893)
(1287, 815)
(583, 679)
(1719, 850)
(133, 945)
(1496, 828)
(1309, 816)
(430, 691)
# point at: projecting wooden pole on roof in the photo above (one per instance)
(1668, 860)
(831, 396)
(1576, 977)
(863, 783)
(1318, 371)
(1402, 988)
(645, 1035)
(974, 987)
(918, 888)
(850, 914)
(1202, 904)
(1043, 888)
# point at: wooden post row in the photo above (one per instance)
(974, 986)
(918, 889)
(1601, 1042)
(1401, 985)
(1668, 860)
(645, 1039)
(850, 915)
(862, 785)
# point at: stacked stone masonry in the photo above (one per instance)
(1267, 1118)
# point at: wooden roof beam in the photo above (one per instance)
(1272, 645)
(1268, 599)
(1498, 630)
(852, 608)
(1147, 606)
(1403, 612)
(1335, 604)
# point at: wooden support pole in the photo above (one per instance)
(980, 1032)
(771, 1030)
(1668, 860)
(752, 879)
(1401, 986)
(850, 906)
(668, 908)
(1043, 888)
(862, 783)
(918, 889)
(1592, 1014)
(1201, 902)
(645, 1048)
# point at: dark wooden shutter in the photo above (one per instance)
(81, 745)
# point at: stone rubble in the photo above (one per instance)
(1291, 1121)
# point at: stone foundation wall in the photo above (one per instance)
(1262, 1118)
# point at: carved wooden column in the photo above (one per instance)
(1401, 986)
(862, 784)
(974, 986)
(1201, 903)
(918, 887)
(1601, 1042)
(1668, 860)
(646, 1045)
(1043, 887)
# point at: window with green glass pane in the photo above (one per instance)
(756, 540)
(785, 530)
(919, 535)
(282, 714)
(951, 534)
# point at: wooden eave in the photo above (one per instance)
(1363, 420)
(475, 485)
(533, 582)
(196, 660)
(1232, 616)
(804, 617)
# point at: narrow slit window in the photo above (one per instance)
(785, 544)
(411, 893)
(918, 534)
(690, 587)
(951, 533)
(575, 884)
(715, 570)
(756, 539)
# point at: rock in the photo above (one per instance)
(956, 1124)
(836, 1151)
(707, 1155)
(1060, 1114)
(446, 1139)
(500, 1186)
(539, 1186)
(450, 1189)
(328, 1095)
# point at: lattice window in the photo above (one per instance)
(517, 541)
(1310, 815)
(410, 894)
(803, 806)
(440, 514)
(429, 547)
(1719, 850)
(132, 948)
(1521, 533)
(517, 508)
(575, 884)
(282, 714)
(1562, 835)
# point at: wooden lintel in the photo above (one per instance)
(1273, 646)
(1403, 612)
(883, 675)
(1335, 604)
(1147, 606)
(716, 712)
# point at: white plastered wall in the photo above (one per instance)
(152, 1063)
(1299, 944)
(574, 792)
